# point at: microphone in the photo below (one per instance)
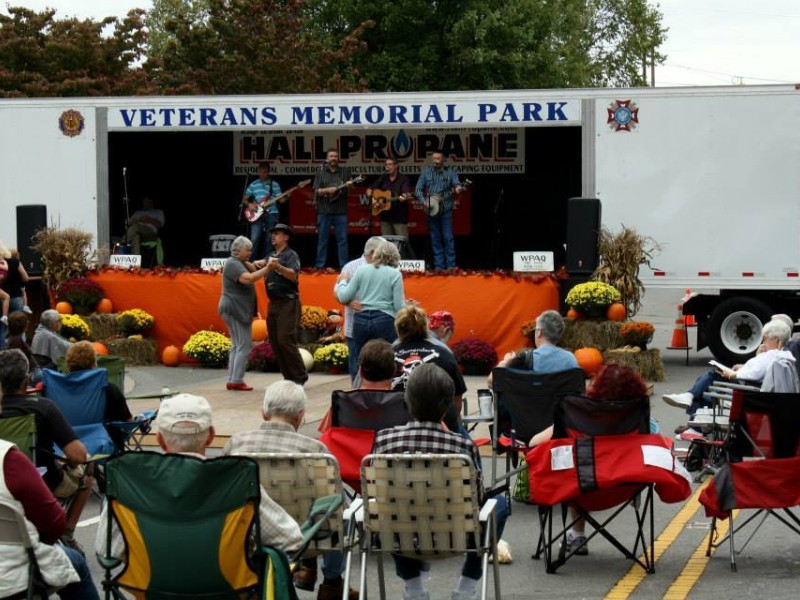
(124, 171)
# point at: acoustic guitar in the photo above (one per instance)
(255, 210)
(382, 200)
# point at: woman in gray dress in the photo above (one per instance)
(237, 305)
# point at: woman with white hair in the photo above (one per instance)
(379, 286)
(237, 306)
(776, 334)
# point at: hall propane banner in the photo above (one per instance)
(302, 152)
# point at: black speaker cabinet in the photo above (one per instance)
(30, 219)
(583, 234)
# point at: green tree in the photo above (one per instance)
(44, 56)
(250, 47)
(496, 44)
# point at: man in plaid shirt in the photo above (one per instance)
(429, 391)
(283, 411)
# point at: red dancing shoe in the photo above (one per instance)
(242, 387)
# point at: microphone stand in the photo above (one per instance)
(498, 229)
(126, 202)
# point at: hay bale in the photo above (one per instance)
(135, 352)
(602, 335)
(102, 326)
(647, 363)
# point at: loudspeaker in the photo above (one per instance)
(403, 246)
(30, 219)
(583, 234)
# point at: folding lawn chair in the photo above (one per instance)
(425, 507)
(601, 457)
(20, 431)
(764, 427)
(188, 526)
(14, 532)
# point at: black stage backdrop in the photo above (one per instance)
(189, 176)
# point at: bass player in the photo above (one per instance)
(390, 195)
(255, 197)
(435, 188)
(331, 185)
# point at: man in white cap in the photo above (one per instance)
(185, 427)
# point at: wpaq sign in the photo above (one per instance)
(533, 262)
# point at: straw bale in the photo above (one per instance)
(102, 326)
(602, 335)
(647, 363)
(135, 352)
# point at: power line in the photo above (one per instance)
(731, 75)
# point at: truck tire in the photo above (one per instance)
(734, 329)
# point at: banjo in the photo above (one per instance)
(434, 204)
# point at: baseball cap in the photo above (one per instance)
(441, 318)
(284, 228)
(184, 413)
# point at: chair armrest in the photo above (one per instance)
(487, 509)
(109, 562)
(732, 385)
(319, 513)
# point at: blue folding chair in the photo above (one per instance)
(81, 397)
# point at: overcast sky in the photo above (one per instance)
(710, 42)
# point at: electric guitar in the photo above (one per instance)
(382, 200)
(254, 210)
(434, 203)
(331, 197)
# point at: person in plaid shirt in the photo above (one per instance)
(429, 391)
(283, 411)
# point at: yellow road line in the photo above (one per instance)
(696, 564)
(636, 574)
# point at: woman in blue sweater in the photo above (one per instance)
(379, 288)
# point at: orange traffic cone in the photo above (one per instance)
(679, 339)
(689, 319)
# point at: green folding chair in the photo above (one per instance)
(188, 525)
(20, 431)
(157, 247)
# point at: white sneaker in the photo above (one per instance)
(680, 400)
(464, 595)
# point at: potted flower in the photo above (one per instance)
(262, 358)
(593, 298)
(637, 333)
(333, 357)
(82, 293)
(74, 328)
(313, 320)
(134, 321)
(474, 356)
(210, 348)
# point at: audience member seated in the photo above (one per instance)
(64, 479)
(46, 341)
(612, 382)
(547, 357)
(441, 326)
(776, 335)
(429, 394)
(283, 411)
(82, 356)
(185, 427)
(17, 325)
(61, 567)
(413, 348)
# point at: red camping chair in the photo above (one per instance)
(601, 458)
(764, 427)
(356, 416)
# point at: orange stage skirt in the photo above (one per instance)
(490, 307)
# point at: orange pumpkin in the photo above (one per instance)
(171, 356)
(100, 348)
(574, 314)
(104, 306)
(64, 308)
(616, 312)
(259, 329)
(590, 360)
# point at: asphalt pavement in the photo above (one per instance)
(767, 566)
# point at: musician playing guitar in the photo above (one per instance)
(390, 195)
(435, 188)
(330, 196)
(258, 193)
